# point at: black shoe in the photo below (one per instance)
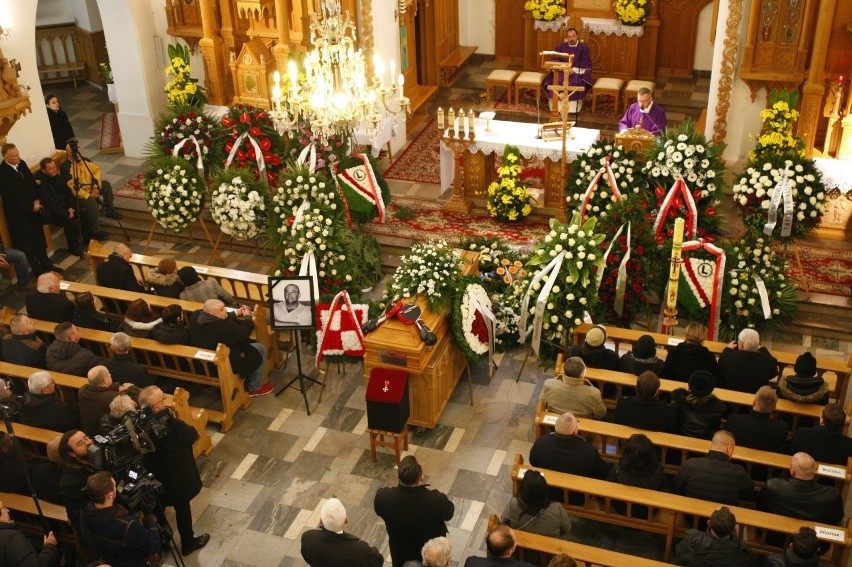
(195, 544)
(77, 252)
(112, 214)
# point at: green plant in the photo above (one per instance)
(105, 71)
(507, 196)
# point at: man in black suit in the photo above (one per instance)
(826, 442)
(48, 302)
(801, 496)
(330, 546)
(500, 545)
(23, 209)
(58, 206)
(745, 366)
(755, 429)
(117, 272)
(645, 411)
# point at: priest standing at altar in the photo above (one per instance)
(581, 75)
(645, 113)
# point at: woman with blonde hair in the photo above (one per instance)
(690, 356)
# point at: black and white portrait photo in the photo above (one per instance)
(293, 304)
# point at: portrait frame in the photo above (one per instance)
(278, 317)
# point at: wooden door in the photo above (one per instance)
(678, 25)
(509, 31)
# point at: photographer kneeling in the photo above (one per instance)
(173, 464)
(117, 535)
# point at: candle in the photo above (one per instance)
(380, 70)
(401, 83)
(463, 117)
(470, 117)
(440, 118)
(451, 117)
(674, 271)
(294, 75)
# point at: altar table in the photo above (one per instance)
(385, 132)
(479, 161)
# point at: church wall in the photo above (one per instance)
(476, 25)
(386, 45)
(703, 59)
(54, 11)
(87, 15)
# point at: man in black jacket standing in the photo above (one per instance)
(174, 465)
(330, 546)
(117, 272)
(413, 514)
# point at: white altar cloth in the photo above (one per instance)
(523, 136)
(383, 137)
(835, 173)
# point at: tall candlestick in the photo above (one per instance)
(674, 271)
(440, 119)
(451, 117)
(471, 118)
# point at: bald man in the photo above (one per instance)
(715, 477)
(801, 496)
(500, 545)
(117, 272)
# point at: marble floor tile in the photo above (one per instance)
(236, 495)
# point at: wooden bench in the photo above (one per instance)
(58, 54)
(189, 364)
(67, 386)
(675, 449)
(671, 515)
(835, 372)
(26, 517)
(583, 554)
(454, 63)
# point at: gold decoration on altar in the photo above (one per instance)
(636, 139)
(250, 71)
(14, 100)
(729, 60)
(255, 9)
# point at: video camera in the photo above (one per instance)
(75, 147)
(120, 451)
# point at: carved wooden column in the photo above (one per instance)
(306, 26)
(814, 88)
(281, 50)
(213, 52)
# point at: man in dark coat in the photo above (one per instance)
(23, 209)
(94, 398)
(413, 514)
(826, 442)
(500, 545)
(117, 272)
(21, 346)
(716, 547)
(174, 465)
(755, 429)
(330, 546)
(803, 551)
(65, 354)
(41, 408)
(122, 366)
(58, 204)
(12, 477)
(715, 477)
(566, 451)
(215, 325)
(645, 411)
(48, 302)
(77, 467)
(16, 549)
(60, 126)
(801, 496)
(744, 365)
(593, 351)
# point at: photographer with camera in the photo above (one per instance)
(174, 465)
(83, 177)
(119, 537)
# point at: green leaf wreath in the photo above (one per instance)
(628, 174)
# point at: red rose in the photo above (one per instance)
(639, 250)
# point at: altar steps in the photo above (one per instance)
(823, 315)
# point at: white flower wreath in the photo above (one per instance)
(239, 208)
(174, 193)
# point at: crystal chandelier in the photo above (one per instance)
(336, 96)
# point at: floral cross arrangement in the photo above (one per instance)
(174, 192)
(182, 91)
(631, 12)
(507, 196)
(546, 10)
(238, 204)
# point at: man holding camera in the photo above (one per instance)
(173, 464)
(83, 177)
(119, 537)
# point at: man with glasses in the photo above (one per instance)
(174, 465)
(41, 408)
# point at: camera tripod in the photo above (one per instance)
(166, 534)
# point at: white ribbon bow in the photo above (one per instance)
(261, 164)
(490, 321)
(199, 165)
(553, 269)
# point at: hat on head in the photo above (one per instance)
(188, 276)
(645, 347)
(701, 383)
(596, 336)
(806, 365)
(333, 515)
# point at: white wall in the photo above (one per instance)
(87, 14)
(386, 46)
(703, 48)
(52, 11)
(477, 25)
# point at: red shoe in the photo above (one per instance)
(262, 391)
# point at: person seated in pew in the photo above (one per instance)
(172, 330)
(825, 442)
(122, 364)
(196, 289)
(640, 466)
(21, 345)
(644, 410)
(437, 552)
(801, 496)
(118, 408)
(803, 551)
(87, 314)
(805, 386)
(714, 477)
(48, 302)
(562, 560)
(744, 365)
(755, 429)
(690, 355)
(46, 475)
(139, 319)
(593, 351)
(500, 546)
(699, 412)
(12, 475)
(717, 546)
(164, 280)
(641, 358)
(566, 451)
(5, 391)
(41, 407)
(16, 548)
(570, 391)
(117, 272)
(95, 397)
(65, 354)
(77, 467)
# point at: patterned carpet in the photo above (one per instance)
(110, 140)
(827, 270)
(420, 162)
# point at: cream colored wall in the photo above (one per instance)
(703, 48)
(386, 45)
(54, 11)
(477, 26)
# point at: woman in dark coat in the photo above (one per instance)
(805, 386)
(699, 412)
(640, 466)
(642, 357)
(690, 355)
(164, 279)
(532, 511)
(172, 330)
(86, 314)
(139, 320)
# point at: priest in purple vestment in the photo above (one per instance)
(645, 113)
(581, 75)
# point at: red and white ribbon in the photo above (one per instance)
(715, 299)
(782, 190)
(553, 270)
(261, 164)
(490, 322)
(336, 306)
(366, 186)
(199, 165)
(610, 176)
(691, 225)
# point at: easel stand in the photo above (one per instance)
(303, 379)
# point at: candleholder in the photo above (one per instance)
(458, 140)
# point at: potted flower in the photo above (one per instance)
(182, 91)
(631, 12)
(507, 196)
(105, 71)
(546, 10)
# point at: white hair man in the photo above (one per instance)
(41, 408)
(744, 365)
(48, 302)
(329, 545)
(122, 365)
(94, 398)
(437, 552)
(22, 346)
(118, 408)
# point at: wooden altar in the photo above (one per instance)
(433, 372)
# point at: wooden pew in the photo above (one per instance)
(835, 372)
(611, 437)
(585, 555)
(672, 515)
(26, 517)
(190, 364)
(67, 386)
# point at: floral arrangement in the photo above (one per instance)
(499, 264)
(105, 72)
(174, 192)
(182, 91)
(546, 10)
(776, 135)
(574, 291)
(507, 196)
(754, 189)
(238, 204)
(254, 122)
(470, 331)
(432, 269)
(358, 208)
(328, 151)
(172, 129)
(299, 184)
(628, 177)
(631, 12)
(686, 153)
